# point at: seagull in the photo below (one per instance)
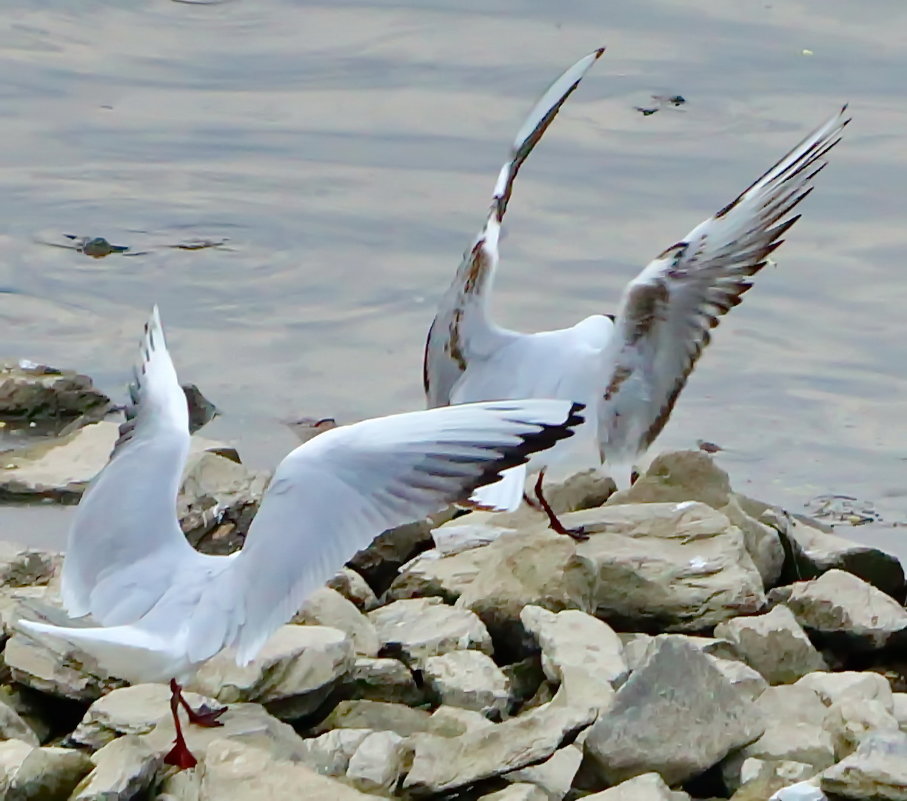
(163, 608)
(628, 368)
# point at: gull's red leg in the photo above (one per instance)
(179, 755)
(204, 715)
(576, 533)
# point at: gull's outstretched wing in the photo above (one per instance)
(462, 329)
(127, 520)
(333, 495)
(667, 311)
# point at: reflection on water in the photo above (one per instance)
(347, 151)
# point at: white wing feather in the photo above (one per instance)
(666, 312)
(127, 517)
(462, 331)
(333, 495)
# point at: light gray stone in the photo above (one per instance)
(760, 778)
(12, 727)
(442, 765)
(37, 392)
(773, 644)
(330, 753)
(521, 791)
(327, 607)
(124, 769)
(452, 721)
(424, 627)
(676, 715)
(376, 716)
(382, 680)
(431, 574)
(236, 771)
(29, 773)
(681, 566)
(127, 710)
(573, 639)
(835, 687)
(638, 647)
(899, 709)
(801, 791)
(531, 567)
(555, 775)
(846, 612)
(293, 673)
(877, 770)
(851, 719)
(354, 588)
(742, 677)
(468, 679)
(763, 543)
(377, 762)
(645, 787)
(21, 566)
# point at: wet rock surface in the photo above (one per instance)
(673, 656)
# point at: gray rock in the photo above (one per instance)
(638, 647)
(646, 787)
(521, 791)
(816, 549)
(12, 727)
(794, 732)
(573, 639)
(29, 773)
(292, 675)
(128, 710)
(38, 392)
(846, 612)
(327, 607)
(389, 551)
(431, 574)
(243, 724)
(773, 644)
(236, 771)
(899, 709)
(423, 627)
(382, 680)
(21, 566)
(452, 721)
(678, 732)
(763, 542)
(464, 534)
(60, 469)
(835, 687)
(468, 679)
(442, 765)
(532, 567)
(201, 410)
(742, 677)
(851, 719)
(124, 769)
(680, 566)
(555, 775)
(330, 753)
(760, 778)
(31, 710)
(377, 762)
(354, 588)
(217, 501)
(801, 791)
(376, 716)
(877, 770)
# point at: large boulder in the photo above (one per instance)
(845, 612)
(529, 567)
(30, 773)
(773, 644)
(876, 771)
(469, 679)
(327, 607)
(675, 566)
(646, 787)
(123, 770)
(677, 715)
(382, 679)
(37, 392)
(21, 566)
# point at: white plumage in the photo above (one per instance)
(628, 370)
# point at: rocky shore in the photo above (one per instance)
(699, 645)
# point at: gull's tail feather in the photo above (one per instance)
(505, 495)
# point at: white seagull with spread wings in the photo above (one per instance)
(628, 368)
(163, 608)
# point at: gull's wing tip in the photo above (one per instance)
(598, 52)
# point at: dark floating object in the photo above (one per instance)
(661, 101)
(708, 447)
(97, 247)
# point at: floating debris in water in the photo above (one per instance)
(843, 509)
(660, 102)
(708, 447)
(97, 247)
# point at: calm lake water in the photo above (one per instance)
(347, 151)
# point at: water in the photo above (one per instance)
(347, 151)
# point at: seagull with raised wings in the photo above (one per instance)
(628, 368)
(163, 608)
